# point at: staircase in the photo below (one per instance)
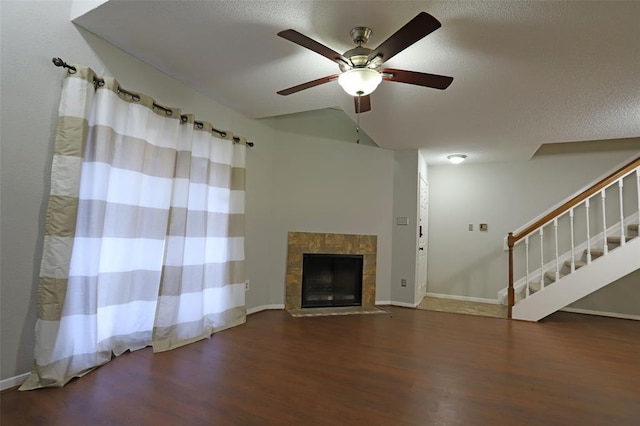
(571, 260)
(550, 276)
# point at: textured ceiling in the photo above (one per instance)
(525, 73)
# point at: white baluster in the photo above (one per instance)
(573, 250)
(541, 258)
(526, 249)
(605, 246)
(622, 236)
(555, 232)
(586, 206)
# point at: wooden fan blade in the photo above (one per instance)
(321, 49)
(307, 85)
(420, 26)
(418, 78)
(365, 104)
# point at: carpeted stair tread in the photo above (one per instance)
(552, 275)
(616, 240)
(578, 263)
(534, 286)
(595, 253)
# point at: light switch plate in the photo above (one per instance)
(484, 226)
(402, 220)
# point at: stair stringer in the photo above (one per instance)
(584, 281)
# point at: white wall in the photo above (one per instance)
(329, 186)
(506, 196)
(620, 297)
(327, 123)
(405, 239)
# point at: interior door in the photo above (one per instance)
(422, 240)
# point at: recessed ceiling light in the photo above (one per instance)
(456, 158)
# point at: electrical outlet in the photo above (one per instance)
(246, 285)
(403, 282)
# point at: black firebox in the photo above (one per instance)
(330, 280)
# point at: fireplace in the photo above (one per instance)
(303, 244)
(331, 280)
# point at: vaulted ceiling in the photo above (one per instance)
(525, 73)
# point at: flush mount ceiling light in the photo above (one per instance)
(456, 158)
(360, 81)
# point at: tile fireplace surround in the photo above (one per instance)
(306, 242)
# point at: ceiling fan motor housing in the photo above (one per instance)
(359, 55)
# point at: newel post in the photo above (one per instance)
(510, 290)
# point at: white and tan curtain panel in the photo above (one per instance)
(144, 236)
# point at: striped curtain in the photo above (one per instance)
(144, 236)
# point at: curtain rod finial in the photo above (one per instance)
(60, 63)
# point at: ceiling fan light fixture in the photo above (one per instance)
(456, 158)
(359, 81)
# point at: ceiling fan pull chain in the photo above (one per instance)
(358, 122)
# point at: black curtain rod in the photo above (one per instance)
(72, 70)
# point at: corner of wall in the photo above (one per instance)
(82, 7)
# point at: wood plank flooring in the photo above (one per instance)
(409, 367)
(463, 307)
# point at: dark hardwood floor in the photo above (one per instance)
(410, 367)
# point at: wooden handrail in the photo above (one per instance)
(512, 239)
(594, 189)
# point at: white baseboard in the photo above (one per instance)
(463, 298)
(602, 314)
(12, 382)
(264, 308)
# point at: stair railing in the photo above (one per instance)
(585, 197)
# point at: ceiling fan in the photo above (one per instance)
(361, 66)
